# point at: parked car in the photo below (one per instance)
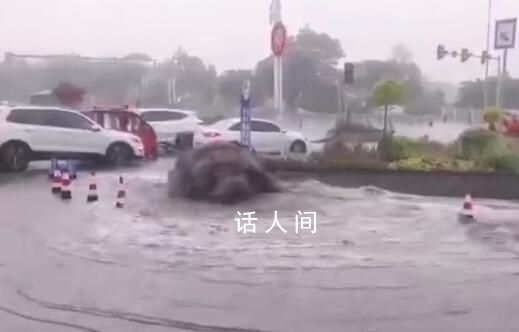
(122, 118)
(171, 125)
(266, 136)
(42, 133)
(511, 123)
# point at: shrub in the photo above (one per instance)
(475, 143)
(492, 116)
(500, 162)
(387, 150)
(404, 148)
(435, 164)
(337, 150)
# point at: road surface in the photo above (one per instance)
(378, 261)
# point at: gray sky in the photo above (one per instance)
(235, 33)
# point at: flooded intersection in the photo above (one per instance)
(379, 261)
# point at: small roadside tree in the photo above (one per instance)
(387, 93)
(492, 116)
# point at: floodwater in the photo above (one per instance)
(378, 261)
(315, 127)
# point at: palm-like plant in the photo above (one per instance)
(492, 116)
(387, 93)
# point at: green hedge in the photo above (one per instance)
(401, 148)
(476, 143)
(508, 163)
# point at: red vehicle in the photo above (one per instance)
(122, 118)
(511, 124)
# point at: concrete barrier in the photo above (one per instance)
(432, 183)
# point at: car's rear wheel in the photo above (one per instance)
(118, 154)
(15, 157)
(298, 147)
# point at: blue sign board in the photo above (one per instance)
(245, 115)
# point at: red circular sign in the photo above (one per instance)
(278, 39)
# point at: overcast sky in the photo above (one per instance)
(235, 33)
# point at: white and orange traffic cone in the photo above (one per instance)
(66, 193)
(467, 211)
(92, 190)
(56, 182)
(121, 194)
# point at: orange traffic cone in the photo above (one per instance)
(66, 193)
(121, 194)
(56, 182)
(92, 190)
(467, 211)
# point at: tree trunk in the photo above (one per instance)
(383, 149)
(385, 121)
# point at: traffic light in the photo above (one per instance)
(465, 54)
(349, 73)
(441, 52)
(484, 57)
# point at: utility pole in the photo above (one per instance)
(485, 83)
(504, 40)
(349, 79)
(499, 82)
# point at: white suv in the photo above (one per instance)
(41, 133)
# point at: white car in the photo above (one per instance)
(40, 133)
(169, 123)
(266, 136)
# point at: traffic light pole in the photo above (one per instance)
(485, 58)
(499, 82)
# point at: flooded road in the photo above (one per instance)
(315, 126)
(378, 261)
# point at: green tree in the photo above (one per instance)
(230, 84)
(195, 82)
(492, 116)
(309, 71)
(138, 57)
(426, 103)
(470, 93)
(370, 72)
(387, 93)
